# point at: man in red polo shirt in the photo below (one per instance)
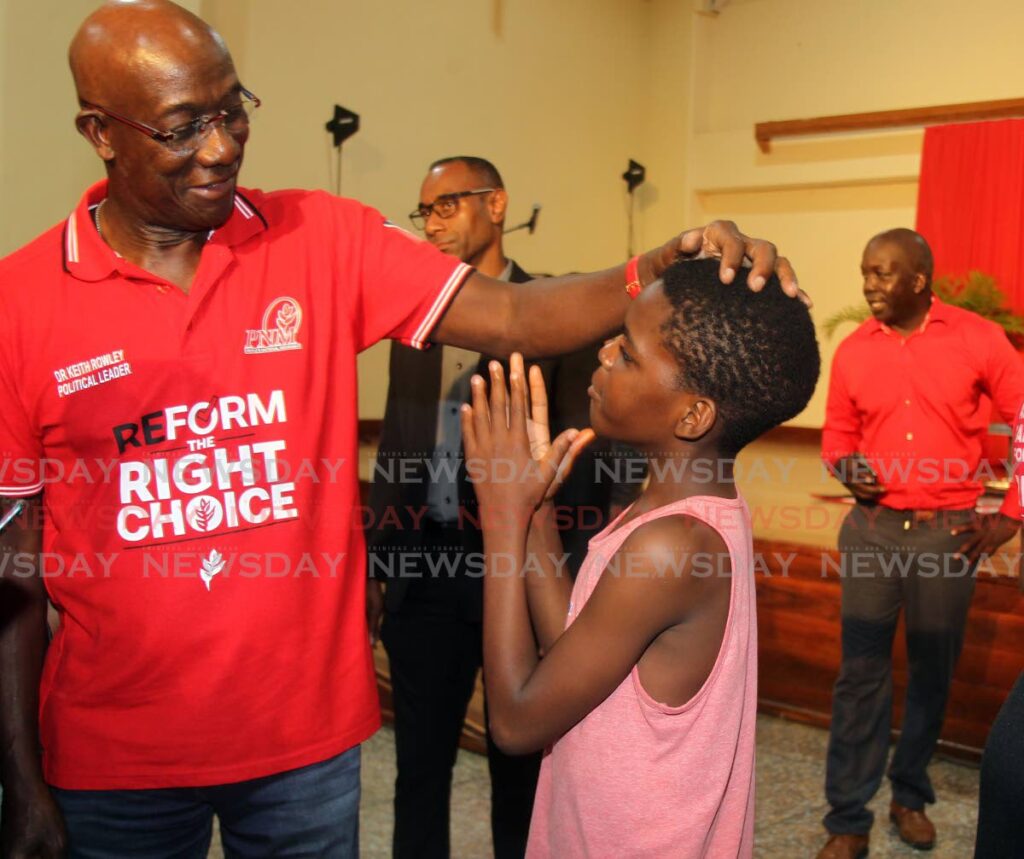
(177, 406)
(904, 429)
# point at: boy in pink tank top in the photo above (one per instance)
(641, 678)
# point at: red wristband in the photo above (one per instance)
(633, 285)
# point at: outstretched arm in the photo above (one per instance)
(1004, 383)
(555, 315)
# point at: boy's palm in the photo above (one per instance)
(503, 429)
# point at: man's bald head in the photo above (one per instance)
(150, 66)
(915, 248)
(131, 44)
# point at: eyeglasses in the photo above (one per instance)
(185, 139)
(444, 207)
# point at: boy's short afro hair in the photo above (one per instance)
(754, 353)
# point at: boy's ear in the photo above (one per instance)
(697, 420)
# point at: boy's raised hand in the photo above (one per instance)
(512, 461)
(538, 424)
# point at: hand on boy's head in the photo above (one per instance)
(723, 240)
(753, 353)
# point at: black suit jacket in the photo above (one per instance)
(398, 495)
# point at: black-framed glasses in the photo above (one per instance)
(185, 139)
(444, 207)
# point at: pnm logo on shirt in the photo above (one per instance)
(281, 322)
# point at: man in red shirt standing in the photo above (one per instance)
(904, 429)
(178, 397)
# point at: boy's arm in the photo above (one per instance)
(548, 583)
(652, 583)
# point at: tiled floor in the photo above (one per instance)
(790, 804)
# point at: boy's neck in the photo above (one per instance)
(684, 475)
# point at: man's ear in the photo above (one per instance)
(920, 282)
(93, 128)
(497, 205)
(697, 420)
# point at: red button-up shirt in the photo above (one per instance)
(915, 406)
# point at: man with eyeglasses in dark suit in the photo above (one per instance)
(433, 603)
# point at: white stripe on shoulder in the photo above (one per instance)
(243, 208)
(404, 231)
(72, 239)
(21, 491)
(444, 297)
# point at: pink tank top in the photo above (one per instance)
(636, 778)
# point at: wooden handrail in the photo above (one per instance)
(973, 111)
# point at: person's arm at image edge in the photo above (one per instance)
(1006, 388)
(1004, 383)
(30, 822)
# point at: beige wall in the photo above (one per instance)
(44, 163)
(560, 93)
(552, 92)
(821, 198)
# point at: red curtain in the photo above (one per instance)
(970, 202)
(970, 208)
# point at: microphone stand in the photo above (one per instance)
(529, 225)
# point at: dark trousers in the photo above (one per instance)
(893, 559)
(435, 647)
(1000, 821)
(311, 812)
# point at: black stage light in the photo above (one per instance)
(634, 175)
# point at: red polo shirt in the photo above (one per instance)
(913, 406)
(198, 460)
(1017, 454)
